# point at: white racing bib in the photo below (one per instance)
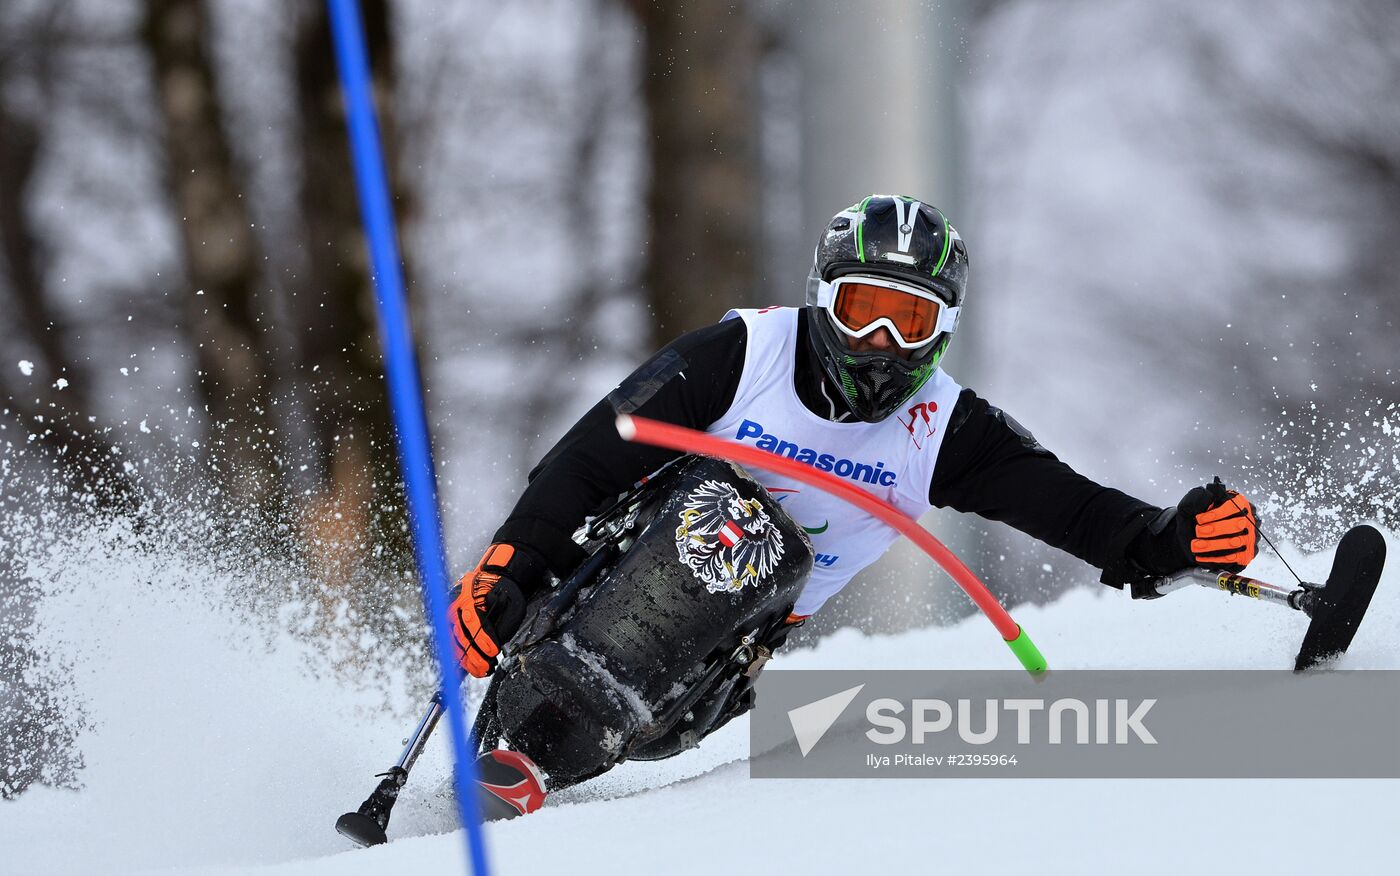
(892, 459)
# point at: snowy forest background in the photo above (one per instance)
(1183, 223)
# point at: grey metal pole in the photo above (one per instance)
(1299, 598)
(414, 744)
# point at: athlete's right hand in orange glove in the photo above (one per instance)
(488, 606)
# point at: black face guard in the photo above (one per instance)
(874, 385)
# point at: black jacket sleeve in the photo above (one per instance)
(691, 382)
(992, 466)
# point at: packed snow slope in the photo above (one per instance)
(207, 753)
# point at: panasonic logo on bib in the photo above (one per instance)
(843, 468)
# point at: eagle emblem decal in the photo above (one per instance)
(727, 541)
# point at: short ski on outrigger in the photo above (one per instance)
(366, 825)
(1335, 608)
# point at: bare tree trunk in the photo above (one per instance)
(700, 79)
(219, 248)
(334, 306)
(20, 244)
(570, 337)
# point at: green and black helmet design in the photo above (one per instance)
(885, 236)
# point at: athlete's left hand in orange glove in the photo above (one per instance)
(1212, 527)
(1216, 528)
(488, 605)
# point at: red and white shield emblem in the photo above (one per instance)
(730, 533)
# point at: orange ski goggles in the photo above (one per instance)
(860, 305)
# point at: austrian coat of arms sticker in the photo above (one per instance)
(727, 541)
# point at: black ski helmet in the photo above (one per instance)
(885, 236)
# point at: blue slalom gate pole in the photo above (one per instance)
(405, 397)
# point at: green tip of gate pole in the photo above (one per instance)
(1026, 651)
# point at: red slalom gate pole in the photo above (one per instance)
(656, 433)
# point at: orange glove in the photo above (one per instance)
(1216, 527)
(488, 608)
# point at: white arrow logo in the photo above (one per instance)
(810, 722)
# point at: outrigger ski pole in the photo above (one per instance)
(367, 825)
(1335, 608)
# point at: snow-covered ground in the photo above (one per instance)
(210, 750)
